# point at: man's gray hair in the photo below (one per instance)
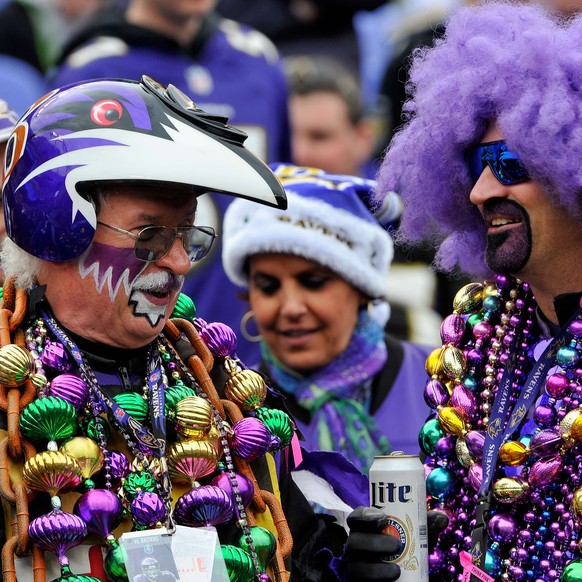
(19, 264)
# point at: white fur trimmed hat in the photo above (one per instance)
(327, 221)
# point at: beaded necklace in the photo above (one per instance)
(70, 414)
(503, 461)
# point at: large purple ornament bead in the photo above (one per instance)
(100, 509)
(463, 399)
(502, 527)
(452, 329)
(445, 447)
(219, 338)
(57, 531)
(147, 509)
(557, 385)
(435, 394)
(476, 476)
(118, 464)
(245, 487)
(545, 415)
(71, 389)
(545, 471)
(55, 356)
(475, 441)
(204, 506)
(251, 438)
(545, 443)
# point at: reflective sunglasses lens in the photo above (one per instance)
(198, 242)
(508, 169)
(154, 242)
(504, 164)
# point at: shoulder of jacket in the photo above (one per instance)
(101, 48)
(248, 40)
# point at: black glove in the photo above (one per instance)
(437, 522)
(368, 549)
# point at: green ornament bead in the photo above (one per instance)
(278, 423)
(264, 542)
(93, 426)
(185, 308)
(1, 293)
(572, 572)
(239, 564)
(68, 576)
(139, 481)
(474, 319)
(429, 435)
(173, 395)
(50, 418)
(134, 404)
(114, 564)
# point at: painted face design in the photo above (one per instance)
(150, 294)
(117, 268)
(110, 266)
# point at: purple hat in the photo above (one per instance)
(327, 222)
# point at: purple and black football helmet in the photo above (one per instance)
(114, 130)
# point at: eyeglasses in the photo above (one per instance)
(154, 242)
(504, 163)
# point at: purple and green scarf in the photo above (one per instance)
(338, 395)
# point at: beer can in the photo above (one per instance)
(397, 486)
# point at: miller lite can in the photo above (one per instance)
(397, 486)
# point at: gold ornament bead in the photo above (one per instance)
(469, 298)
(567, 422)
(509, 305)
(486, 407)
(509, 489)
(576, 429)
(16, 366)
(87, 453)
(193, 417)
(451, 420)
(247, 389)
(453, 362)
(434, 365)
(513, 453)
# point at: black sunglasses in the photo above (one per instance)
(153, 243)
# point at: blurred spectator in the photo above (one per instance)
(227, 69)
(21, 83)
(36, 30)
(329, 128)
(305, 27)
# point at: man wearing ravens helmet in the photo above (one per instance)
(125, 412)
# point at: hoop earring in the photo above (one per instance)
(243, 327)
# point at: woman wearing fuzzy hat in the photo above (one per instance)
(313, 274)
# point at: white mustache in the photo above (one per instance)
(161, 282)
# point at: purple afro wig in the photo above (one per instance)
(511, 62)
